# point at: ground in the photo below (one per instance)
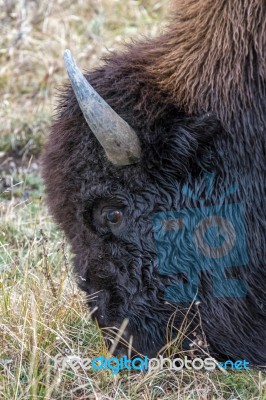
(42, 313)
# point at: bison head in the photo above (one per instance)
(116, 159)
(105, 183)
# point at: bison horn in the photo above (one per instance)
(118, 139)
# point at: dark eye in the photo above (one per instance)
(114, 216)
(107, 217)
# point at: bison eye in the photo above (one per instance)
(114, 216)
(107, 218)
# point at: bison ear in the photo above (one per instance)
(184, 146)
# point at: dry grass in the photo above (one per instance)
(41, 311)
(34, 35)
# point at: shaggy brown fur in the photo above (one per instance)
(213, 57)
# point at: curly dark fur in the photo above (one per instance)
(187, 127)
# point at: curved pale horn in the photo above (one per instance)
(118, 139)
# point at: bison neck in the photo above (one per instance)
(212, 58)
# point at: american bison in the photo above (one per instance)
(155, 170)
